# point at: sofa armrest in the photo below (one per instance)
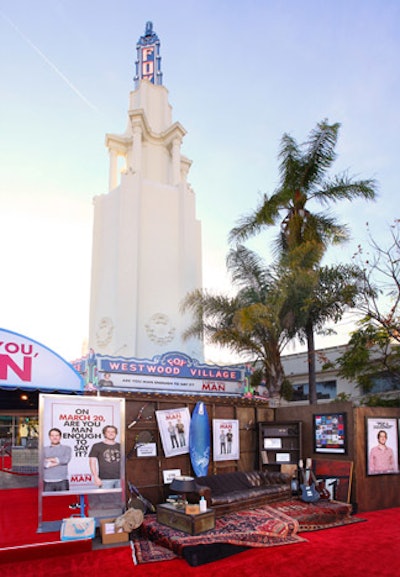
(205, 492)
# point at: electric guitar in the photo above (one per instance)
(320, 486)
(309, 493)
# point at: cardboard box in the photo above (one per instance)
(192, 509)
(109, 534)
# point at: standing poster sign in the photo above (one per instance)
(174, 427)
(382, 446)
(81, 444)
(225, 439)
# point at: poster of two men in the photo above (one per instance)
(81, 444)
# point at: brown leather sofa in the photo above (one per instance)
(243, 490)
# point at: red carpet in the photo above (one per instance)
(370, 549)
(22, 506)
(19, 538)
(5, 462)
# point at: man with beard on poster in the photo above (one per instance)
(105, 460)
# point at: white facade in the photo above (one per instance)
(296, 370)
(330, 385)
(146, 238)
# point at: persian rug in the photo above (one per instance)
(263, 527)
(323, 514)
(145, 551)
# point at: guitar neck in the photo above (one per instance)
(302, 472)
(307, 474)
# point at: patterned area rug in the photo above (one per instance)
(263, 527)
(145, 551)
(316, 516)
(268, 526)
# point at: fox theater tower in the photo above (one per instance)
(146, 238)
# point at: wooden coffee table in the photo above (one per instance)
(171, 516)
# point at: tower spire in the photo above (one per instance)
(148, 63)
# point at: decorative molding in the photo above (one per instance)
(160, 329)
(104, 332)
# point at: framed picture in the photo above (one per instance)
(272, 443)
(382, 446)
(282, 457)
(330, 435)
(225, 439)
(170, 474)
(174, 427)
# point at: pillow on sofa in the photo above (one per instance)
(277, 478)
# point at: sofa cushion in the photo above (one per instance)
(255, 478)
(276, 478)
(242, 481)
(225, 483)
(239, 490)
(248, 495)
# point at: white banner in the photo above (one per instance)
(156, 383)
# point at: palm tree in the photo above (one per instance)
(314, 297)
(304, 236)
(248, 323)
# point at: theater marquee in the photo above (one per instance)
(169, 373)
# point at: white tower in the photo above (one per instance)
(146, 238)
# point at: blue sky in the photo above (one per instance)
(239, 75)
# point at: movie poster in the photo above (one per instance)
(225, 439)
(174, 427)
(81, 444)
(382, 446)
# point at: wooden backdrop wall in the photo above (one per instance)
(368, 493)
(147, 472)
(372, 491)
